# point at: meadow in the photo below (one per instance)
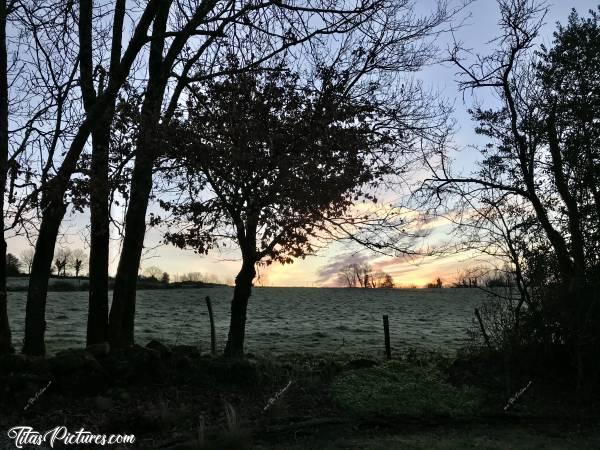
(279, 319)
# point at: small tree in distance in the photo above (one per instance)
(362, 275)
(79, 260)
(13, 265)
(388, 282)
(62, 260)
(347, 276)
(153, 273)
(438, 284)
(27, 258)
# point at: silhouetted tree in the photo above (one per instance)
(153, 273)
(13, 265)
(192, 277)
(347, 276)
(60, 265)
(364, 275)
(78, 261)
(377, 278)
(388, 282)
(268, 160)
(99, 186)
(26, 257)
(538, 175)
(63, 260)
(468, 278)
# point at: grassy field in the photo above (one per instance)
(280, 320)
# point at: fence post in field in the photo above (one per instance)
(386, 331)
(486, 338)
(213, 338)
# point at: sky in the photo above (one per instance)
(321, 270)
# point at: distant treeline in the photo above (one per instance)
(66, 274)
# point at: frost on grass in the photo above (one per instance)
(400, 389)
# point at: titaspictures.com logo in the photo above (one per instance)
(27, 436)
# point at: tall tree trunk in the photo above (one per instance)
(5, 336)
(557, 240)
(122, 312)
(35, 311)
(97, 325)
(239, 306)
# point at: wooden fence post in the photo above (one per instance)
(486, 338)
(386, 331)
(213, 337)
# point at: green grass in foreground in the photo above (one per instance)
(401, 389)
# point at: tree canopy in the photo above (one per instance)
(269, 160)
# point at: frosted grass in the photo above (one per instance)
(279, 319)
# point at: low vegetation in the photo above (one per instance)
(399, 388)
(176, 398)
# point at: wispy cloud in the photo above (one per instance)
(327, 275)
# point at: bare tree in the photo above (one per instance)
(27, 258)
(78, 261)
(63, 259)
(506, 72)
(153, 272)
(536, 187)
(347, 276)
(364, 274)
(37, 89)
(437, 284)
(193, 277)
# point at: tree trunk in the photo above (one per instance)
(239, 305)
(577, 244)
(35, 312)
(122, 312)
(97, 326)
(5, 335)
